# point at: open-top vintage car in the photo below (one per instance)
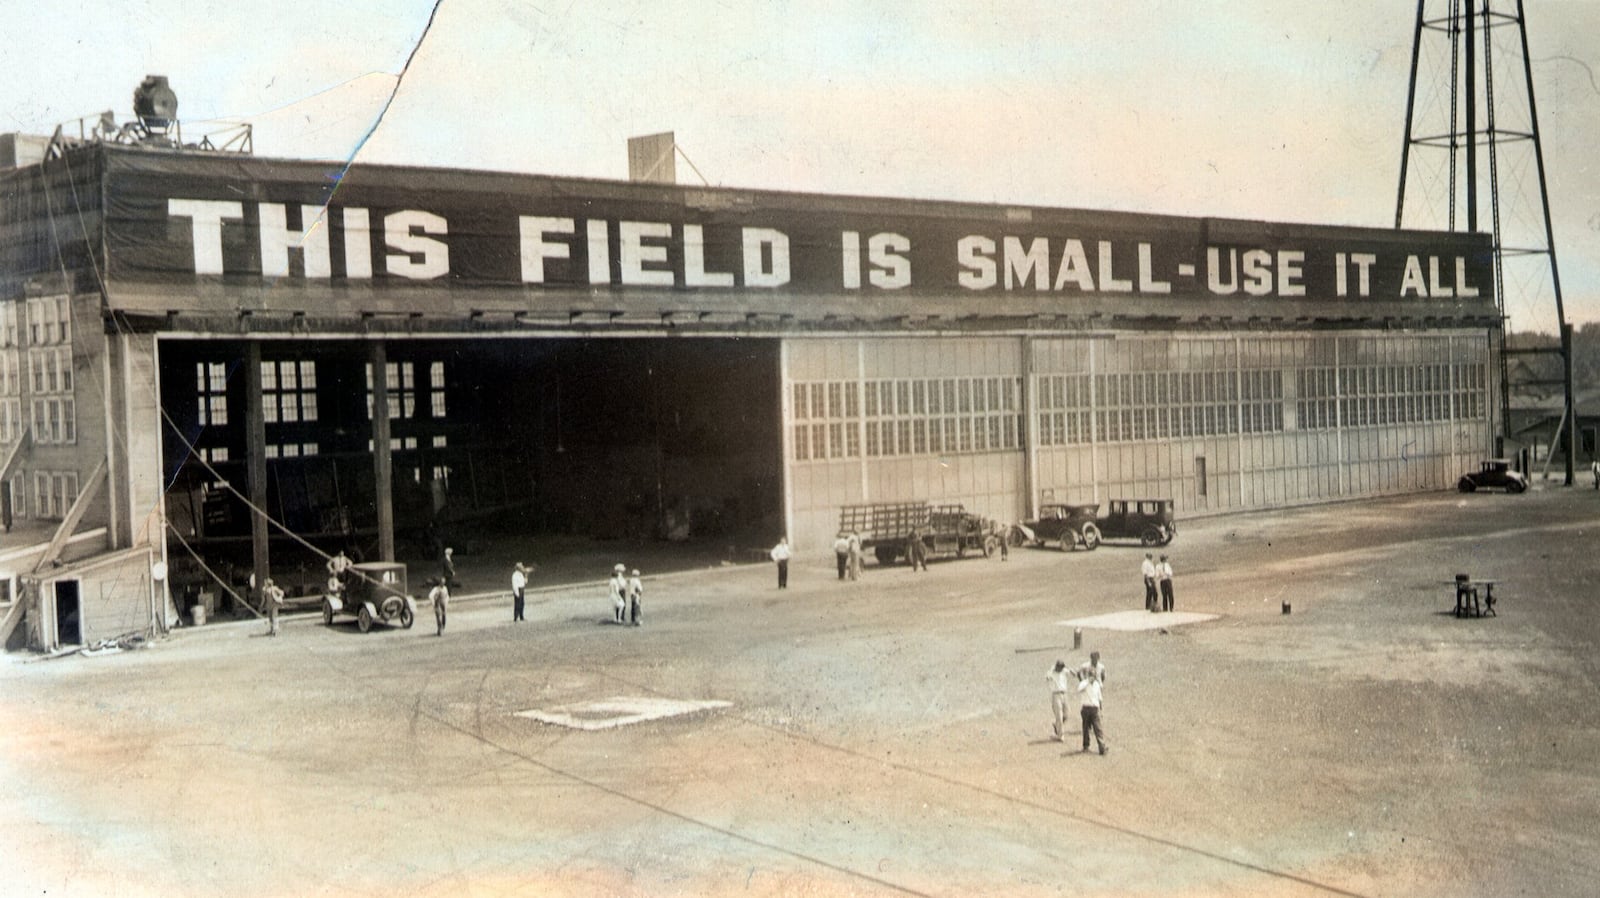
(1494, 473)
(1067, 526)
(374, 591)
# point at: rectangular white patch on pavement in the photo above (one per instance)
(1138, 620)
(618, 711)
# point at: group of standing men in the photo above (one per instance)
(1090, 685)
(847, 553)
(1157, 576)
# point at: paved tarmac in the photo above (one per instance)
(890, 736)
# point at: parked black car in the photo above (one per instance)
(1494, 473)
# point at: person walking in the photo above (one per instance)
(272, 602)
(618, 585)
(1594, 470)
(1060, 694)
(1089, 707)
(855, 556)
(519, 586)
(1164, 574)
(439, 595)
(841, 553)
(780, 554)
(635, 596)
(1148, 570)
(447, 568)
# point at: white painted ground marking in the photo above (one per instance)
(1138, 620)
(617, 711)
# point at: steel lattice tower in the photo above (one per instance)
(1471, 95)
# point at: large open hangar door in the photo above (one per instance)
(493, 440)
(645, 438)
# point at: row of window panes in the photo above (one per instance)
(438, 441)
(53, 493)
(290, 450)
(401, 377)
(55, 421)
(903, 398)
(1388, 395)
(42, 321)
(51, 370)
(908, 436)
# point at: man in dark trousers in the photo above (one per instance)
(780, 554)
(1148, 570)
(519, 586)
(1089, 699)
(1164, 574)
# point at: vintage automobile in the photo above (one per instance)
(1494, 473)
(1068, 526)
(375, 591)
(1150, 521)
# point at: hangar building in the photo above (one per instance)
(364, 350)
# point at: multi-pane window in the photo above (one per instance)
(211, 393)
(50, 380)
(1151, 405)
(10, 324)
(11, 419)
(905, 417)
(288, 391)
(290, 450)
(406, 393)
(49, 321)
(54, 493)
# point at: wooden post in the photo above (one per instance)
(382, 462)
(255, 435)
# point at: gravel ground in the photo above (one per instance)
(890, 736)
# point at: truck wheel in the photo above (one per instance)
(1150, 537)
(327, 614)
(961, 547)
(884, 554)
(406, 617)
(1091, 537)
(364, 618)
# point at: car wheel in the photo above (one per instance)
(1150, 537)
(1091, 537)
(406, 617)
(991, 545)
(327, 614)
(1014, 537)
(364, 618)
(1068, 540)
(1466, 485)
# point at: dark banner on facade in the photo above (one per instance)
(181, 218)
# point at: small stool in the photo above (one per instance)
(1466, 592)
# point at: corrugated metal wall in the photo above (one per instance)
(1216, 421)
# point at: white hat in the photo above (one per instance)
(636, 572)
(619, 568)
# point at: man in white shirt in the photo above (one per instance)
(619, 592)
(780, 554)
(635, 596)
(1089, 696)
(841, 553)
(1164, 574)
(1148, 569)
(519, 586)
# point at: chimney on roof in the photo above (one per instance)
(652, 159)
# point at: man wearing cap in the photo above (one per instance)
(519, 583)
(1148, 570)
(1164, 574)
(635, 596)
(619, 591)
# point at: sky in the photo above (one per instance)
(1276, 110)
